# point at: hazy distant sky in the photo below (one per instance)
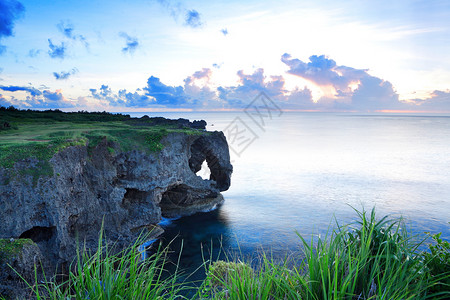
(205, 55)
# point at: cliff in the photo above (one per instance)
(127, 191)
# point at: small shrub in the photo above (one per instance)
(5, 125)
(153, 139)
(221, 271)
(438, 264)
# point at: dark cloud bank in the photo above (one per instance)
(354, 90)
(351, 90)
(35, 98)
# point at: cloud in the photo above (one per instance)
(224, 31)
(299, 99)
(10, 11)
(174, 9)
(103, 93)
(4, 102)
(34, 52)
(205, 73)
(200, 91)
(351, 89)
(165, 94)
(257, 82)
(131, 43)
(53, 96)
(251, 85)
(135, 99)
(347, 89)
(323, 71)
(65, 75)
(374, 93)
(158, 94)
(191, 16)
(35, 98)
(122, 98)
(57, 51)
(13, 88)
(438, 101)
(67, 29)
(192, 19)
(253, 81)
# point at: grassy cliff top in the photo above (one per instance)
(40, 134)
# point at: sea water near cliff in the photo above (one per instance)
(296, 172)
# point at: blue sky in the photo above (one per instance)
(218, 55)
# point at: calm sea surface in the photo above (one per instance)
(296, 172)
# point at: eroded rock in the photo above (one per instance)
(123, 192)
(18, 258)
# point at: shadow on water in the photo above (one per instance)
(195, 239)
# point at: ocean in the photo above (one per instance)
(301, 173)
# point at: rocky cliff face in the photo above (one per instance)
(126, 191)
(17, 257)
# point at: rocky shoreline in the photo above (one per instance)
(125, 193)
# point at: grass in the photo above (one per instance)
(369, 259)
(375, 260)
(10, 248)
(107, 274)
(40, 135)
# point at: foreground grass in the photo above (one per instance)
(111, 275)
(370, 259)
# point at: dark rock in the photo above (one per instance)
(201, 124)
(125, 192)
(17, 261)
(160, 121)
(184, 122)
(214, 149)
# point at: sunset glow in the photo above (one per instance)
(323, 56)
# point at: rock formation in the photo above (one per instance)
(17, 257)
(127, 192)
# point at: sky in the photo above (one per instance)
(164, 55)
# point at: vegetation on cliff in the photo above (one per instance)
(369, 259)
(11, 247)
(28, 134)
